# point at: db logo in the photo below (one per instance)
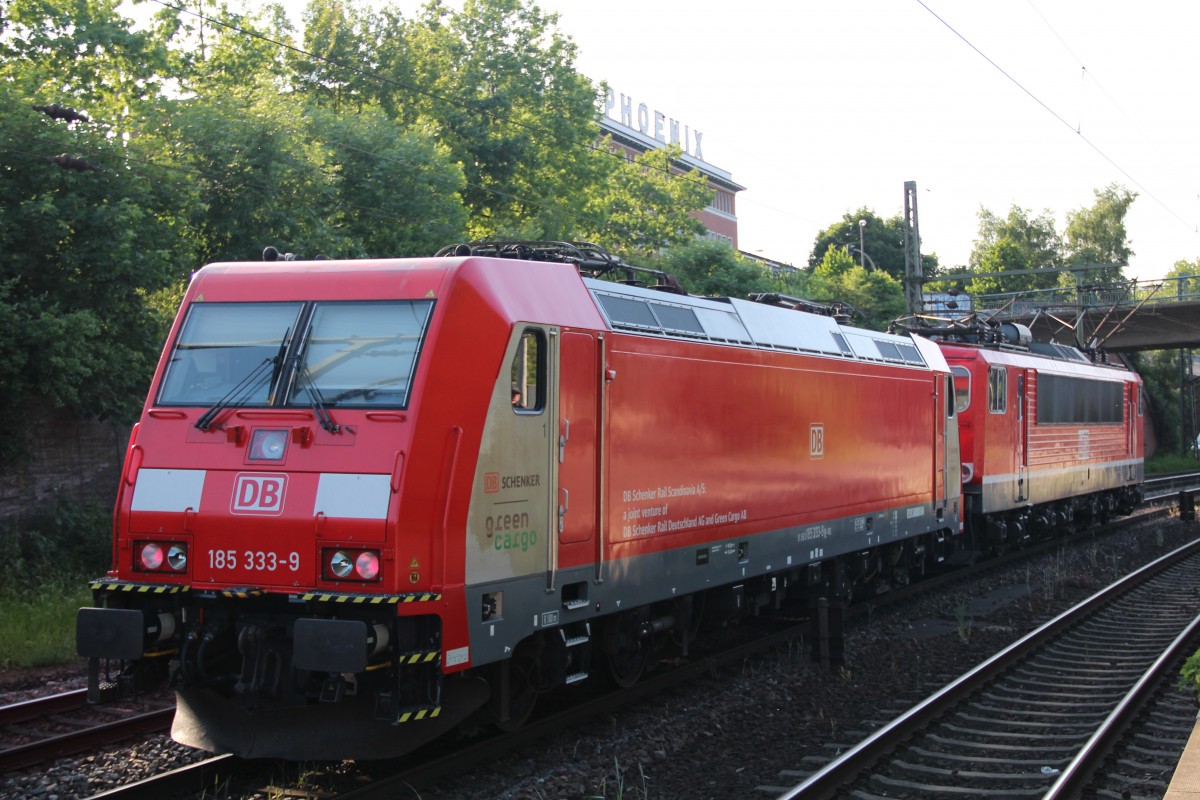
(491, 482)
(816, 440)
(259, 493)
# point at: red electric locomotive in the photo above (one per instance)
(369, 499)
(1048, 437)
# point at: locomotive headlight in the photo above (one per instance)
(340, 564)
(268, 445)
(152, 556)
(367, 565)
(968, 471)
(177, 557)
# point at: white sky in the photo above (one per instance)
(819, 107)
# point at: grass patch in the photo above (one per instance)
(46, 561)
(37, 627)
(1171, 462)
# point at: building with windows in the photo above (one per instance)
(636, 128)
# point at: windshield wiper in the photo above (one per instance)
(248, 386)
(237, 395)
(316, 402)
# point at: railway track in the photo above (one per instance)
(1039, 718)
(431, 769)
(62, 724)
(1170, 486)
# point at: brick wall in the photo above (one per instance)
(66, 458)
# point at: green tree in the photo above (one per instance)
(1017, 242)
(714, 269)
(222, 52)
(642, 206)
(1160, 375)
(337, 36)
(877, 296)
(317, 183)
(1161, 370)
(82, 248)
(397, 192)
(499, 86)
(883, 241)
(1097, 235)
(81, 53)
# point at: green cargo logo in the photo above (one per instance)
(516, 540)
(510, 532)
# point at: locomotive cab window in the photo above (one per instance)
(360, 354)
(228, 350)
(528, 373)
(997, 390)
(962, 388)
(270, 354)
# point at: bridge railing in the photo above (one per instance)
(1122, 293)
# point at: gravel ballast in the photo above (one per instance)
(731, 734)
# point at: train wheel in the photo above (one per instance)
(517, 685)
(625, 650)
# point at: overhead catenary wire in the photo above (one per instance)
(1055, 114)
(1086, 75)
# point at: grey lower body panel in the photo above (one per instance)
(1034, 487)
(528, 604)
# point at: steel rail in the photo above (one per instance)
(1077, 774)
(193, 778)
(38, 707)
(44, 748)
(27, 755)
(827, 781)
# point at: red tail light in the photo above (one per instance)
(169, 557)
(347, 564)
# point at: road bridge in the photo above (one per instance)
(1119, 317)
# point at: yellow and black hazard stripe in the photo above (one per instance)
(138, 588)
(419, 657)
(243, 592)
(414, 714)
(370, 599)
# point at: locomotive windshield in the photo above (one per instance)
(224, 344)
(247, 354)
(360, 354)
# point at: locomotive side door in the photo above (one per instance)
(940, 389)
(1022, 434)
(1132, 412)
(511, 514)
(577, 449)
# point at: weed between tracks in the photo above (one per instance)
(618, 784)
(963, 620)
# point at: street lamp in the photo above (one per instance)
(862, 224)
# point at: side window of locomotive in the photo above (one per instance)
(361, 353)
(528, 373)
(951, 403)
(997, 390)
(1138, 389)
(962, 388)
